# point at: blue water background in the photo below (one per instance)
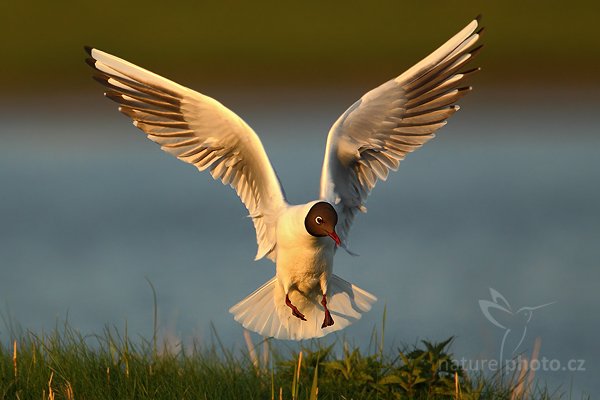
(506, 197)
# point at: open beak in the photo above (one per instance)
(335, 237)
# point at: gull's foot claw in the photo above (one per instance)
(327, 321)
(295, 312)
(298, 314)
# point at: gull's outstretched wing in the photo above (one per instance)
(201, 131)
(392, 120)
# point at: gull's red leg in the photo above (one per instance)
(327, 321)
(295, 311)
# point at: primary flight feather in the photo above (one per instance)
(304, 299)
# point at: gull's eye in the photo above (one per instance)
(319, 220)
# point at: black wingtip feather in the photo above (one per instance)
(91, 62)
(114, 96)
(101, 79)
(471, 71)
(476, 50)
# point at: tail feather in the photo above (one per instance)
(264, 311)
(246, 310)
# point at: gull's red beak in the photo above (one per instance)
(335, 237)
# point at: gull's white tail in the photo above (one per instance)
(265, 312)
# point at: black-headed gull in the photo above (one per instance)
(304, 299)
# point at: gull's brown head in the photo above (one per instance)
(321, 221)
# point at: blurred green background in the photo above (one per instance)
(293, 43)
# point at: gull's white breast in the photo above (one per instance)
(302, 260)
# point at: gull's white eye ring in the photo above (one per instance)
(319, 220)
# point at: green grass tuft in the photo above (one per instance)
(67, 365)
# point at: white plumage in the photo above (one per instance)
(392, 120)
(364, 144)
